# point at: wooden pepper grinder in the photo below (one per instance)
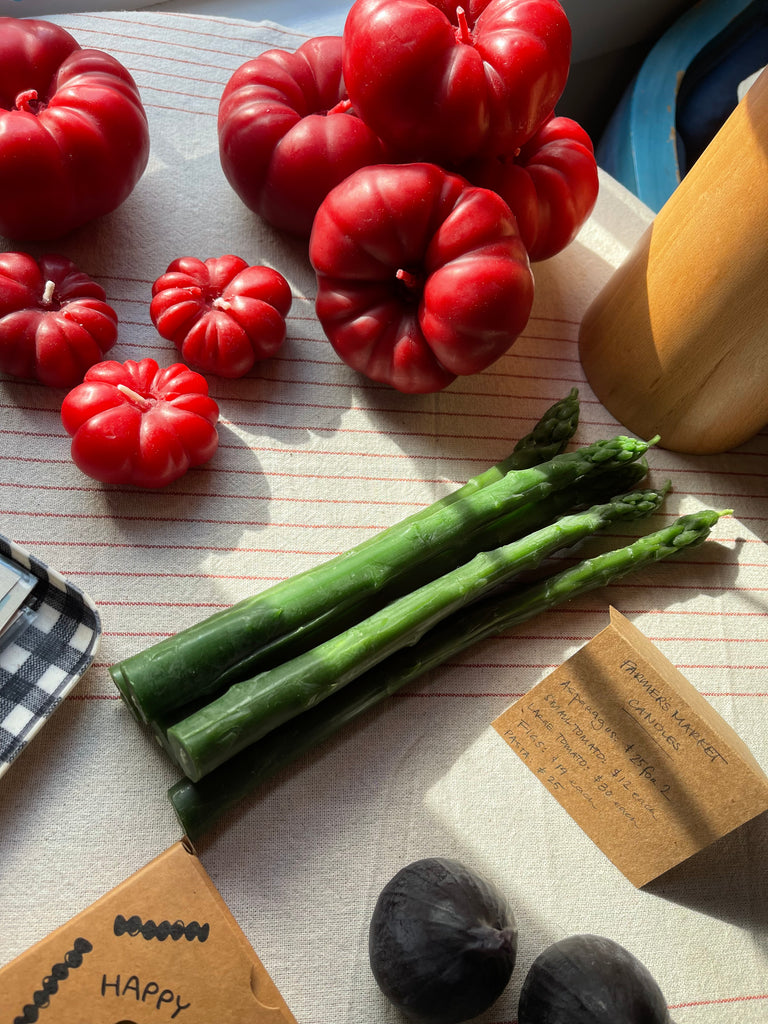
(676, 343)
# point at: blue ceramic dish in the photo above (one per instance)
(684, 91)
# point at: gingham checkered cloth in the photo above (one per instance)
(43, 660)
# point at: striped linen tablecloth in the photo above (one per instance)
(312, 459)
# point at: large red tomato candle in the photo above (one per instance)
(445, 82)
(74, 139)
(288, 134)
(54, 320)
(137, 423)
(222, 314)
(421, 276)
(550, 185)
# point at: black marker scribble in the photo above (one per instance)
(165, 930)
(59, 972)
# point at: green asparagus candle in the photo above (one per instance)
(199, 805)
(232, 644)
(253, 707)
(304, 610)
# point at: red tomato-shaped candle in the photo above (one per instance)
(74, 139)
(135, 423)
(287, 133)
(551, 185)
(222, 314)
(445, 82)
(421, 276)
(54, 320)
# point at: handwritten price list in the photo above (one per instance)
(636, 756)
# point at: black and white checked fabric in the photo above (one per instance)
(43, 660)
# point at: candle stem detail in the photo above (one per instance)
(463, 35)
(342, 107)
(28, 101)
(410, 280)
(134, 397)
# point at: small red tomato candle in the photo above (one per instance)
(288, 133)
(135, 423)
(550, 185)
(54, 321)
(74, 138)
(222, 314)
(446, 82)
(421, 276)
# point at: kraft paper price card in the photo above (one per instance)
(635, 754)
(162, 946)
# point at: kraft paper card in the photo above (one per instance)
(162, 946)
(635, 754)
